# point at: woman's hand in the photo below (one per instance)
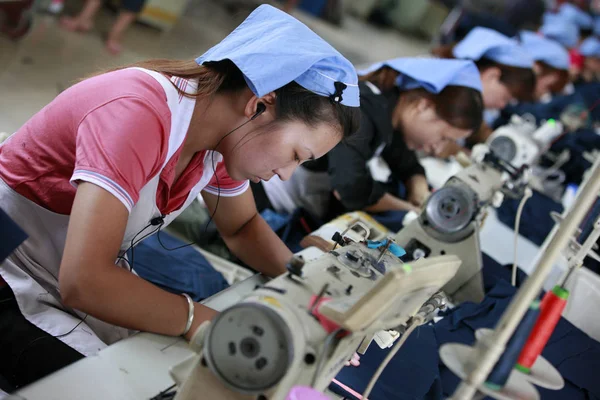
(390, 202)
(247, 234)
(418, 190)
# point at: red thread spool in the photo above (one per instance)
(552, 306)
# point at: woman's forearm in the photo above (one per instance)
(418, 189)
(117, 296)
(258, 246)
(390, 203)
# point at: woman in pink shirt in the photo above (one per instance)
(118, 156)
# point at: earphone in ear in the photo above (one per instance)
(260, 108)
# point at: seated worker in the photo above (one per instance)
(568, 32)
(590, 50)
(407, 104)
(118, 156)
(506, 73)
(551, 64)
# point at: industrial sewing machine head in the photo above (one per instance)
(301, 328)
(453, 215)
(521, 142)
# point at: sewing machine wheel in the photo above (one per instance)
(449, 210)
(249, 347)
(504, 147)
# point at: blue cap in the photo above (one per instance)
(590, 47)
(545, 50)
(576, 15)
(487, 43)
(431, 74)
(272, 49)
(560, 29)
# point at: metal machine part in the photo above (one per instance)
(449, 212)
(450, 222)
(301, 329)
(521, 142)
(249, 347)
(504, 147)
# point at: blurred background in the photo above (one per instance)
(47, 45)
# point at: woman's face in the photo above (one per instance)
(544, 82)
(276, 148)
(592, 64)
(424, 130)
(496, 95)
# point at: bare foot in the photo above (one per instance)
(114, 47)
(75, 24)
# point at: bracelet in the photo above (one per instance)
(190, 318)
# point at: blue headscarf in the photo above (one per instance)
(590, 47)
(576, 15)
(272, 49)
(545, 50)
(560, 29)
(487, 43)
(431, 74)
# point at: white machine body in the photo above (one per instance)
(449, 224)
(274, 339)
(520, 142)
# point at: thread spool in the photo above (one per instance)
(552, 306)
(501, 371)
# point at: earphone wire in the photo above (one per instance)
(212, 162)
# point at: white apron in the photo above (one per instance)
(32, 270)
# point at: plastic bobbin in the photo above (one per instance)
(542, 373)
(457, 356)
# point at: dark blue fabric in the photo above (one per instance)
(11, 235)
(586, 96)
(577, 143)
(183, 270)
(391, 219)
(291, 228)
(313, 7)
(536, 222)
(417, 373)
(471, 20)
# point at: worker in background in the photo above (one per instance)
(506, 75)
(590, 50)
(84, 21)
(407, 105)
(118, 156)
(551, 64)
(570, 25)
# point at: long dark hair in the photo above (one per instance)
(459, 106)
(293, 102)
(519, 81)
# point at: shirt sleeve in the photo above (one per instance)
(222, 184)
(121, 145)
(349, 173)
(402, 161)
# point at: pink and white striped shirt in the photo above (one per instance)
(111, 130)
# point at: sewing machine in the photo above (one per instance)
(302, 327)
(448, 224)
(453, 215)
(521, 142)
